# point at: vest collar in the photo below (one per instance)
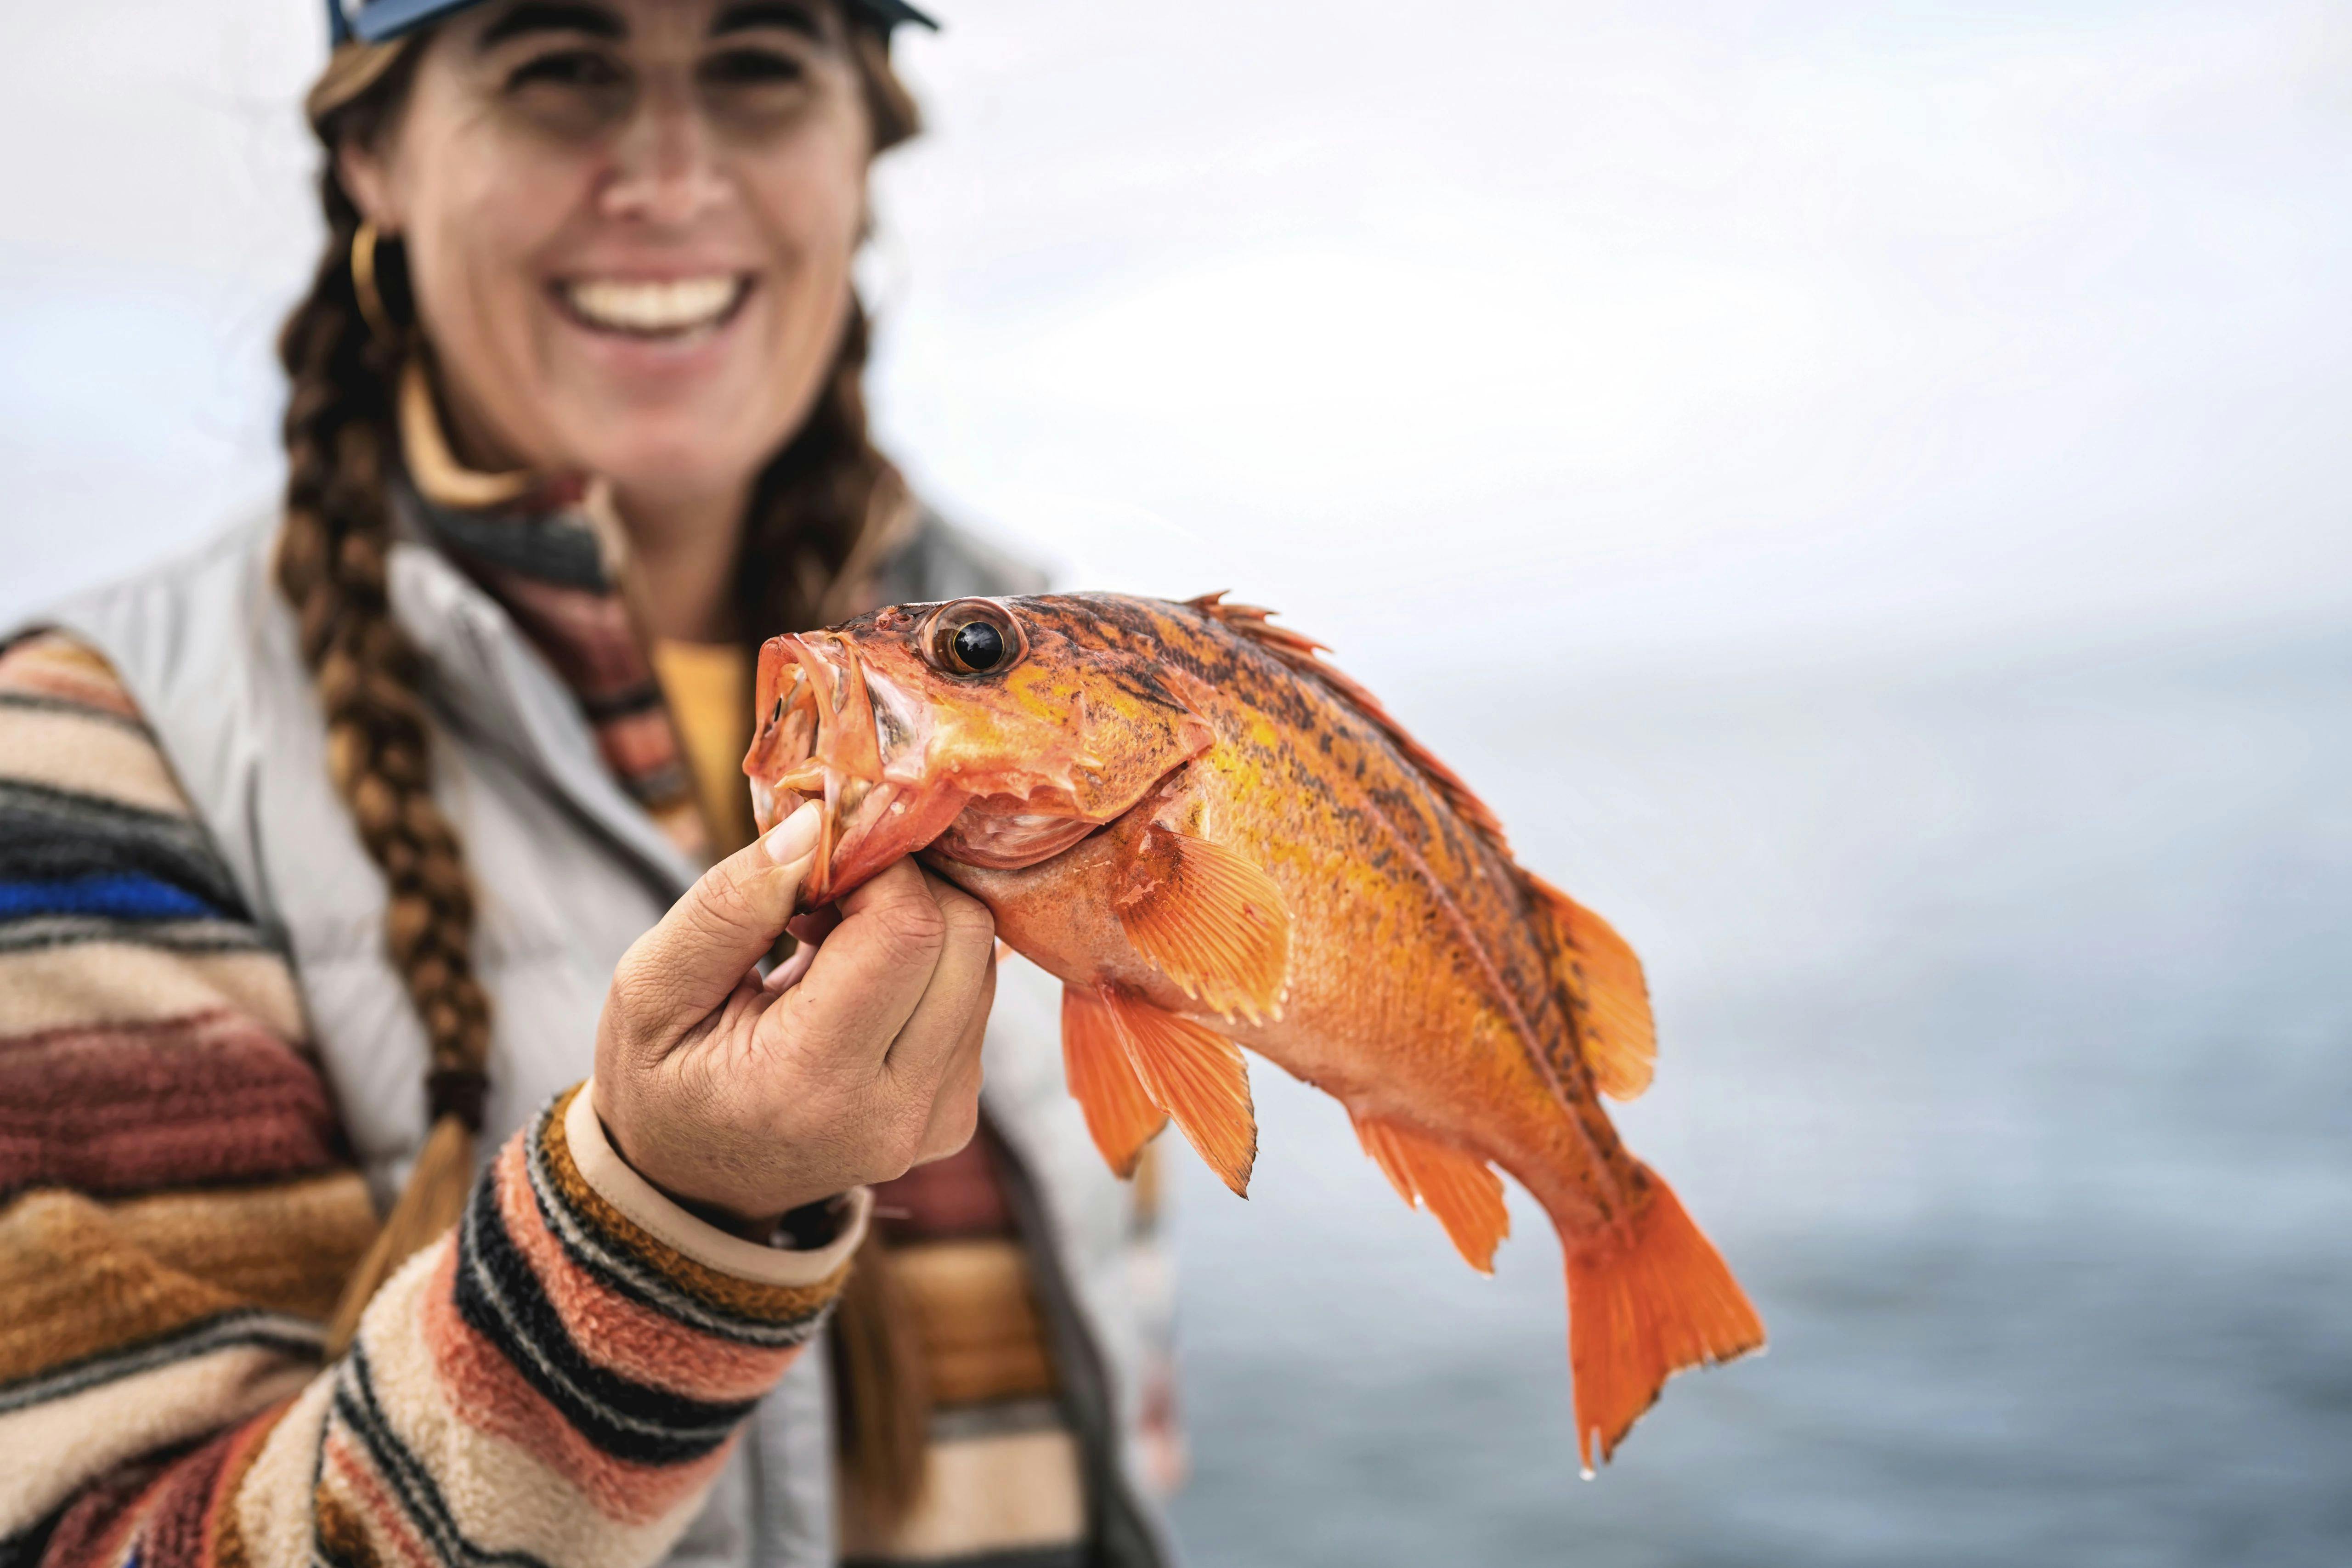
(515, 589)
(486, 677)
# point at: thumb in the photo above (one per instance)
(731, 918)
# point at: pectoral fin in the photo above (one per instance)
(1118, 1112)
(1209, 920)
(1602, 980)
(1459, 1188)
(1194, 1074)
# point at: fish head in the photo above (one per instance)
(997, 733)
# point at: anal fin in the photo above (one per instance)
(1195, 1075)
(1611, 1000)
(1459, 1188)
(1208, 919)
(1118, 1112)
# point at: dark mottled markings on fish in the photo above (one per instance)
(1389, 815)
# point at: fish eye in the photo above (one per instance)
(973, 637)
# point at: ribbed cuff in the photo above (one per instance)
(618, 1184)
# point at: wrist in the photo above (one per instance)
(751, 1225)
(763, 1225)
(622, 1197)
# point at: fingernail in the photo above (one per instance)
(795, 835)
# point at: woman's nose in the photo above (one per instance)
(666, 173)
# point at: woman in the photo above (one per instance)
(337, 856)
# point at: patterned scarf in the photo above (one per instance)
(534, 545)
(543, 562)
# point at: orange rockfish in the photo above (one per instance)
(1214, 840)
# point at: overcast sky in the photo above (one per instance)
(1621, 331)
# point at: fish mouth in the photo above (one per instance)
(836, 733)
(895, 776)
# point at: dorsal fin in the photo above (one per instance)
(1298, 651)
(1595, 972)
(1601, 979)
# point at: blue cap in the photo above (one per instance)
(373, 21)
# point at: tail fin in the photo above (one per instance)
(1646, 1298)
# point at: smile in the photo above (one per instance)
(653, 308)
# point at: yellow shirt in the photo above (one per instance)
(709, 687)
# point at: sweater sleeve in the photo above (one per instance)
(554, 1382)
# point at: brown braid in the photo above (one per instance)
(332, 552)
(820, 515)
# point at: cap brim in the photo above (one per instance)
(379, 20)
(890, 13)
(382, 19)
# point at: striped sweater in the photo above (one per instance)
(554, 1382)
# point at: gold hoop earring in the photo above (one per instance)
(363, 285)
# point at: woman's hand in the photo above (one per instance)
(744, 1099)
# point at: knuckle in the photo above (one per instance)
(722, 900)
(911, 929)
(892, 1160)
(950, 1130)
(628, 974)
(636, 994)
(908, 1140)
(963, 1122)
(967, 920)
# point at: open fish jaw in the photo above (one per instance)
(857, 723)
(837, 733)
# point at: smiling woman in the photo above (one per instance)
(336, 857)
(629, 232)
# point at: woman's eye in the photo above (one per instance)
(752, 67)
(568, 67)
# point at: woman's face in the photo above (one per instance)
(629, 227)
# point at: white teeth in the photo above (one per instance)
(672, 305)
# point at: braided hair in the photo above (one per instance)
(820, 515)
(332, 553)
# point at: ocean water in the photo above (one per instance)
(2006, 1018)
